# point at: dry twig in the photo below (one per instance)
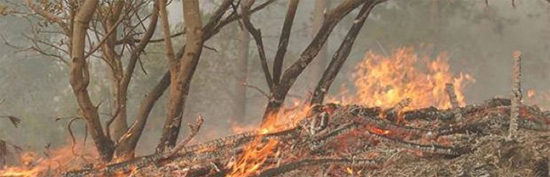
(516, 95)
(450, 89)
(193, 130)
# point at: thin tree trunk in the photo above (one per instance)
(241, 71)
(180, 81)
(127, 142)
(215, 24)
(341, 55)
(119, 123)
(80, 78)
(290, 75)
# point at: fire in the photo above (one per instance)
(55, 163)
(531, 93)
(386, 80)
(258, 152)
(254, 157)
(540, 98)
(378, 131)
(350, 171)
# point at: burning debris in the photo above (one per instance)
(394, 132)
(356, 137)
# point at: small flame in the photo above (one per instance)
(257, 152)
(538, 97)
(531, 93)
(349, 170)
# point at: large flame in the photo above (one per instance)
(385, 81)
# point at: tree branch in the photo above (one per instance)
(79, 79)
(128, 141)
(257, 35)
(193, 130)
(341, 54)
(283, 40)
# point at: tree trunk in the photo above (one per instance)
(80, 78)
(290, 75)
(119, 122)
(341, 55)
(128, 141)
(180, 81)
(241, 71)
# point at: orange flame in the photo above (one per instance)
(257, 152)
(386, 80)
(539, 98)
(58, 160)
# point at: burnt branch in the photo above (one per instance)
(283, 40)
(516, 95)
(257, 35)
(341, 55)
(432, 148)
(450, 89)
(14, 120)
(193, 130)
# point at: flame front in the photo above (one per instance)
(386, 80)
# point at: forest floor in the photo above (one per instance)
(477, 146)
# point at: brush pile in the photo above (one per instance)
(353, 140)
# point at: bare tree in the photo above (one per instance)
(107, 30)
(182, 71)
(280, 83)
(340, 56)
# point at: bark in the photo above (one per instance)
(516, 96)
(79, 79)
(128, 143)
(168, 49)
(214, 25)
(128, 140)
(241, 71)
(179, 86)
(341, 55)
(119, 122)
(283, 40)
(257, 35)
